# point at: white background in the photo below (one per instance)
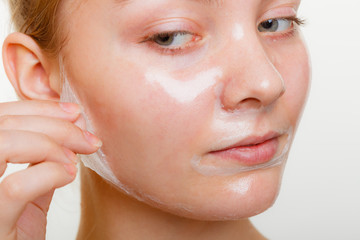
(320, 196)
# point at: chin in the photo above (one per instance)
(227, 197)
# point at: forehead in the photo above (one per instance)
(216, 3)
(209, 2)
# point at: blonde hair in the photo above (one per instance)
(38, 19)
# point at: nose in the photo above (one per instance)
(251, 79)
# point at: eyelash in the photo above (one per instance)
(151, 39)
(297, 20)
(295, 23)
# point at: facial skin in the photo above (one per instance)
(149, 136)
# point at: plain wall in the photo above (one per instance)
(320, 196)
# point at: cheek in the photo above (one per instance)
(295, 71)
(146, 131)
(297, 89)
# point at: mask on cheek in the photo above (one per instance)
(96, 161)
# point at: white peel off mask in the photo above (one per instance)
(183, 91)
(96, 161)
(238, 32)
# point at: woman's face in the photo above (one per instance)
(196, 101)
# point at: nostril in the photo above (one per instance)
(249, 103)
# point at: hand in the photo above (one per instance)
(43, 134)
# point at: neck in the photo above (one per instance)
(107, 213)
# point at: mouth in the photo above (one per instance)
(251, 151)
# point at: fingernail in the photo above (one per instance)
(71, 169)
(92, 139)
(70, 107)
(71, 156)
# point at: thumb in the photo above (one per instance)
(32, 223)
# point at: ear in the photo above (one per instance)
(28, 68)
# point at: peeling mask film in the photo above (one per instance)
(96, 161)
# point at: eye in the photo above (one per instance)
(275, 25)
(173, 39)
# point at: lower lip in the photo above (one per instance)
(251, 155)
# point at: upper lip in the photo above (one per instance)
(249, 141)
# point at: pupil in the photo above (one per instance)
(267, 24)
(165, 39)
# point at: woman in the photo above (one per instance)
(196, 104)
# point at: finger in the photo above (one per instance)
(67, 111)
(23, 187)
(30, 147)
(29, 225)
(63, 132)
(43, 202)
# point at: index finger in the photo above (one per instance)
(66, 111)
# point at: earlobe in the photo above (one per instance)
(27, 68)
